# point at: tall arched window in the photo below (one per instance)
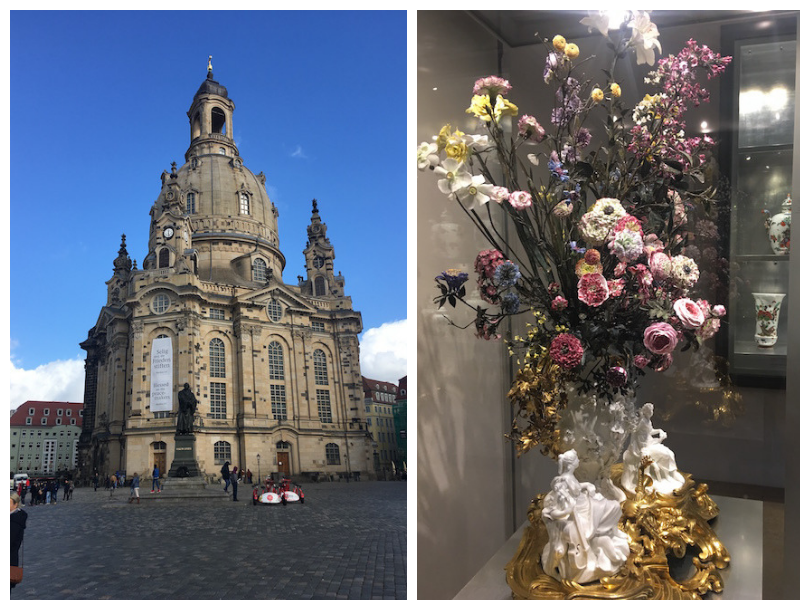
(320, 368)
(216, 355)
(217, 120)
(259, 270)
(275, 358)
(163, 258)
(222, 452)
(319, 286)
(332, 454)
(244, 204)
(191, 208)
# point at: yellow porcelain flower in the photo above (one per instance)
(504, 107)
(572, 51)
(616, 91)
(441, 139)
(584, 268)
(597, 95)
(481, 107)
(559, 43)
(457, 149)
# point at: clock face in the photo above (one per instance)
(169, 232)
(318, 262)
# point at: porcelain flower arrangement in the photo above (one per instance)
(604, 203)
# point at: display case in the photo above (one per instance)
(760, 160)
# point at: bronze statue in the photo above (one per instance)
(187, 405)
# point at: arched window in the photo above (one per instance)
(217, 120)
(332, 454)
(319, 286)
(191, 207)
(275, 358)
(320, 368)
(216, 355)
(163, 258)
(244, 204)
(222, 452)
(259, 270)
(282, 445)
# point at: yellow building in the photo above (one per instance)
(274, 367)
(380, 400)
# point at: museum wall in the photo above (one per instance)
(463, 497)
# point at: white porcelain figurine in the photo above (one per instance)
(646, 441)
(585, 542)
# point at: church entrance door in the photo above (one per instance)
(283, 463)
(160, 457)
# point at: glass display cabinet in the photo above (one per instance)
(760, 161)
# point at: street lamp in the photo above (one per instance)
(258, 460)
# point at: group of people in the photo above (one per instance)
(43, 491)
(232, 478)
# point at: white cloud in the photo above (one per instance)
(298, 153)
(58, 381)
(384, 351)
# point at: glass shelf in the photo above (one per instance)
(761, 166)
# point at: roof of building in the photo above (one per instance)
(23, 412)
(371, 385)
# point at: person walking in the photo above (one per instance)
(156, 481)
(226, 475)
(235, 483)
(23, 491)
(249, 476)
(66, 490)
(135, 489)
(18, 519)
(113, 486)
(95, 480)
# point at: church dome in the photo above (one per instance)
(231, 216)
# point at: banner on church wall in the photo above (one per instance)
(161, 375)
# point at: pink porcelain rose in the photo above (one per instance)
(689, 313)
(660, 338)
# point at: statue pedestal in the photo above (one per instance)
(185, 461)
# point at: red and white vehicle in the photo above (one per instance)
(286, 492)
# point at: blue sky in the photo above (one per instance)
(98, 111)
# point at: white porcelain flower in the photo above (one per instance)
(476, 193)
(597, 20)
(427, 156)
(644, 37)
(455, 176)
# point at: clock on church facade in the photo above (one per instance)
(274, 367)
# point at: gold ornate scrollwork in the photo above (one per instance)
(658, 527)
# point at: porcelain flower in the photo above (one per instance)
(684, 271)
(491, 85)
(689, 313)
(455, 176)
(644, 38)
(475, 193)
(593, 289)
(566, 350)
(529, 128)
(520, 200)
(427, 156)
(596, 224)
(660, 338)
(597, 20)
(626, 245)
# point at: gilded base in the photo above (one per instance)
(658, 527)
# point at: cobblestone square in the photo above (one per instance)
(348, 540)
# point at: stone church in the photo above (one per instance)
(274, 367)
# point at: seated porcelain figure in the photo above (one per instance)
(585, 542)
(646, 441)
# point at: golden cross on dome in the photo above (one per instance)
(209, 64)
